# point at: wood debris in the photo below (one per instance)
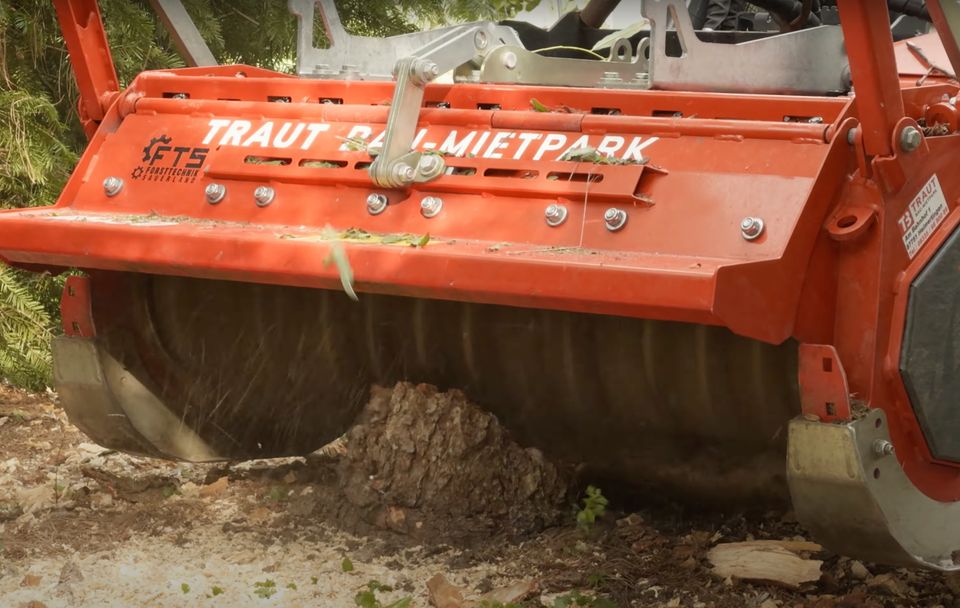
(767, 561)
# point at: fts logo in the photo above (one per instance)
(164, 162)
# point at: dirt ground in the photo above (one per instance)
(346, 526)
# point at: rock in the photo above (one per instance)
(31, 580)
(767, 561)
(214, 489)
(859, 571)
(443, 594)
(890, 584)
(34, 604)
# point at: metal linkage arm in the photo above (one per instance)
(397, 165)
(184, 33)
(86, 42)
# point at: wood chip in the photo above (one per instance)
(215, 489)
(443, 594)
(767, 561)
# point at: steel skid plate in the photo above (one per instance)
(850, 492)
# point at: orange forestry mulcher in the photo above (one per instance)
(723, 264)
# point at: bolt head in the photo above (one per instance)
(377, 203)
(112, 186)
(430, 164)
(615, 218)
(480, 40)
(555, 214)
(426, 70)
(910, 138)
(264, 195)
(510, 60)
(751, 228)
(405, 173)
(882, 447)
(430, 206)
(215, 193)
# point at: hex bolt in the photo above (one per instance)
(480, 40)
(751, 228)
(510, 60)
(852, 136)
(555, 215)
(910, 138)
(377, 203)
(430, 206)
(615, 218)
(882, 447)
(404, 172)
(264, 195)
(426, 70)
(430, 163)
(215, 193)
(112, 186)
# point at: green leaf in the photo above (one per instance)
(346, 565)
(185, 587)
(538, 106)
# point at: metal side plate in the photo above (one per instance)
(106, 401)
(850, 492)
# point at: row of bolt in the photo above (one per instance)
(555, 214)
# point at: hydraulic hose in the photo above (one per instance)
(910, 8)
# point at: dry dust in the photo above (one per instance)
(425, 484)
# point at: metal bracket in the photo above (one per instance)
(396, 164)
(850, 491)
(186, 37)
(360, 57)
(810, 61)
(623, 70)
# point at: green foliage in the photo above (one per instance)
(184, 587)
(215, 591)
(40, 133)
(346, 565)
(367, 598)
(594, 506)
(265, 589)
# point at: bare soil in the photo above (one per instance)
(424, 484)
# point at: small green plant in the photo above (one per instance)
(314, 580)
(346, 565)
(367, 598)
(292, 586)
(265, 589)
(215, 591)
(169, 490)
(277, 494)
(185, 587)
(594, 506)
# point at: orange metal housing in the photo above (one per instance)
(826, 175)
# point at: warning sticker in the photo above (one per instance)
(927, 209)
